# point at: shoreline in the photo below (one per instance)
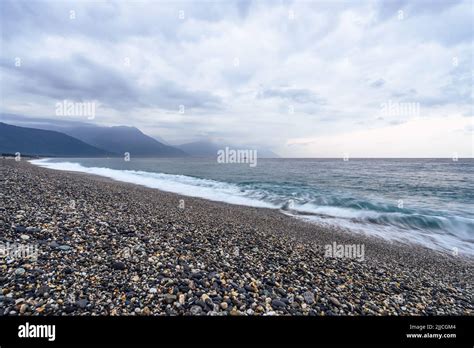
(208, 258)
(300, 216)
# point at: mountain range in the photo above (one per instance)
(72, 139)
(121, 139)
(39, 142)
(207, 148)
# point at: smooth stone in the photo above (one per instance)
(69, 308)
(196, 310)
(169, 298)
(20, 271)
(82, 303)
(20, 228)
(54, 244)
(308, 297)
(23, 308)
(277, 304)
(335, 301)
(118, 265)
(43, 289)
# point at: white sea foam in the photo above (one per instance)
(388, 225)
(181, 184)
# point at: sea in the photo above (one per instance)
(429, 202)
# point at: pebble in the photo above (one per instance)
(212, 260)
(118, 265)
(23, 308)
(20, 228)
(170, 298)
(308, 297)
(82, 303)
(277, 304)
(20, 271)
(335, 301)
(196, 310)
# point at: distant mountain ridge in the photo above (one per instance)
(116, 140)
(200, 148)
(206, 148)
(121, 139)
(39, 142)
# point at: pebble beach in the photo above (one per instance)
(104, 247)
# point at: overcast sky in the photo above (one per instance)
(302, 78)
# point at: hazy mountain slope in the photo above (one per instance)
(200, 148)
(209, 149)
(121, 139)
(31, 141)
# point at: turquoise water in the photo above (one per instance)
(423, 201)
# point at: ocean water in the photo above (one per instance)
(422, 201)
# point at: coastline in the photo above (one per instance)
(206, 258)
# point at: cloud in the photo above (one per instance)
(297, 95)
(378, 83)
(236, 66)
(88, 80)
